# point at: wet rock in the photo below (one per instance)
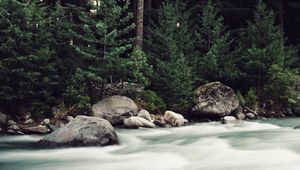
(3, 119)
(115, 109)
(144, 114)
(29, 121)
(215, 100)
(240, 116)
(159, 121)
(51, 127)
(11, 122)
(229, 120)
(297, 127)
(69, 118)
(136, 122)
(250, 116)
(289, 111)
(46, 122)
(36, 130)
(174, 119)
(11, 132)
(82, 131)
(14, 127)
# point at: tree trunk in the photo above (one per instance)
(281, 20)
(140, 23)
(149, 5)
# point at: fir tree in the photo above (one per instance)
(173, 77)
(261, 47)
(216, 61)
(112, 25)
(27, 75)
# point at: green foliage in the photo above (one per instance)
(173, 77)
(140, 69)
(280, 85)
(215, 61)
(251, 99)
(241, 98)
(28, 72)
(261, 46)
(78, 88)
(111, 27)
(152, 102)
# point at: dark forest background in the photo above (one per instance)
(63, 53)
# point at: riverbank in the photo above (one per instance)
(261, 145)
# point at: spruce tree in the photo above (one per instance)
(27, 71)
(112, 25)
(261, 47)
(173, 76)
(215, 61)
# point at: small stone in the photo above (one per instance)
(289, 111)
(174, 119)
(240, 116)
(250, 116)
(46, 121)
(14, 127)
(229, 120)
(27, 116)
(69, 118)
(297, 127)
(160, 121)
(11, 122)
(51, 127)
(29, 121)
(36, 130)
(11, 132)
(144, 114)
(136, 122)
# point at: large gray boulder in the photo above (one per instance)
(115, 109)
(136, 122)
(215, 100)
(82, 131)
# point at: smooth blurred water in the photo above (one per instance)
(261, 145)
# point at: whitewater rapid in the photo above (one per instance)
(265, 145)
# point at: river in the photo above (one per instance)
(259, 145)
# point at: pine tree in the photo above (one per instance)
(74, 42)
(27, 70)
(215, 63)
(173, 77)
(112, 25)
(261, 47)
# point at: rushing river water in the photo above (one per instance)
(263, 145)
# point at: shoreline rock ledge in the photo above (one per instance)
(82, 131)
(215, 100)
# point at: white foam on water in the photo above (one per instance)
(207, 146)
